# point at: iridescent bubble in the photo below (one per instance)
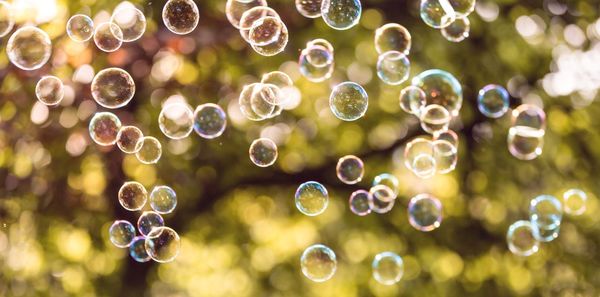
(309, 8)
(263, 152)
(574, 201)
(131, 22)
(458, 30)
(425, 212)
(418, 157)
(108, 37)
(235, 9)
(163, 199)
(521, 238)
(180, 16)
(348, 101)
(388, 180)
(412, 100)
(545, 214)
(388, 268)
(265, 30)
(113, 88)
(437, 13)
(137, 249)
(132, 196)
(393, 67)
(49, 90)
(527, 115)
(209, 120)
(262, 96)
(284, 84)
(434, 119)
(29, 48)
(350, 169)
(445, 154)
(128, 139)
(80, 28)
(176, 120)
(163, 244)
(463, 8)
(440, 88)
(318, 263)
(252, 15)
(104, 127)
(449, 136)
(341, 14)
(359, 203)
(381, 199)
(311, 198)
(149, 220)
(7, 20)
(322, 57)
(121, 233)
(149, 151)
(392, 37)
(525, 143)
(264, 25)
(492, 101)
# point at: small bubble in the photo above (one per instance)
(149, 220)
(412, 100)
(393, 67)
(163, 244)
(80, 28)
(104, 127)
(311, 198)
(209, 120)
(309, 8)
(131, 22)
(425, 212)
(113, 88)
(458, 30)
(350, 169)
(263, 152)
(149, 151)
(348, 101)
(50, 90)
(176, 120)
(318, 263)
(121, 233)
(381, 199)
(574, 201)
(392, 37)
(521, 238)
(132, 196)
(235, 9)
(359, 203)
(128, 139)
(341, 14)
(545, 214)
(108, 37)
(163, 199)
(388, 268)
(493, 101)
(137, 249)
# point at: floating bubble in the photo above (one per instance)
(137, 249)
(245, 102)
(209, 120)
(121, 233)
(392, 37)
(7, 21)
(393, 67)
(462, 8)
(458, 30)
(265, 31)
(163, 199)
(348, 101)
(262, 96)
(525, 143)
(149, 220)
(359, 203)
(574, 201)
(29, 48)
(318, 263)
(341, 14)
(267, 24)
(104, 127)
(388, 180)
(320, 42)
(311, 198)
(309, 8)
(263, 152)
(449, 136)
(180, 16)
(521, 238)
(437, 13)
(545, 213)
(412, 100)
(131, 22)
(149, 151)
(108, 37)
(350, 169)
(132, 196)
(163, 244)
(284, 85)
(492, 101)
(445, 154)
(80, 28)
(322, 57)
(50, 90)
(425, 212)
(252, 15)
(128, 139)
(381, 199)
(113, 88)
(235, 9)
(531, 116)
(418, 157)
(388, 268)
(434, 119)
(176, 120)
(440, 88)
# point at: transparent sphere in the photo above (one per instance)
(525, 143)
(283, 84)
(521, 238)
(574, 201)
(316, 63)
(311, 198)
(545, 214)
(449, 136)
(412, 100)
(425, 212)
(137, 250)
(209, 120)
(121, 233)
(530, 116)
(29, 48)
(388, 180)
(80, 28)
(434, 119)
(262, 99)
(176, 120)
(264, 25)
(104, 127)
(458, 30)
(393, 67)
(440, 88)
(245, 102)
(265, 30)
(108, 37)
(163, 244)
(320, 42)
(263, 152)
(149, 151)
(132, 195)
(50, 90)
(392, 37)
(163, 199)
(128, 139)
(463, 8)
(359, 203)
(341, 14)
(234, 9)
(445, 155)
(309, 8)
(437, 13)
(388, 268)
(492, 101)
(348, 101)
(7, 21)
(418, 157)
(180, 16)
(131, 22)
(149, 220)
(318, 263)
(350, 169)
(113, 88)
(252, 15)
(381, 199)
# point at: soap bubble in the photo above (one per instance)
(463, 8)
(309, 8)
(320, 42)
(449, 136)
(521, 238)
(545, 213)
(108, 37)
(284, 84)
(131, 22)
(574, 201)
(425, 212)
(392, 37)
(264, 25)
(263, 152)
(381, 199)
(350, 169)
(418, 157)
(121, 233)
(265, 31)
(163, 244)
(163, 199)
(176, 120)
(149, 220)
(252, 98)
(104, 127)
(445, 154)
(527, 115)
(245, 103)
(458, 30)
(132, 195)
(80, 28)
(149, 151)
(348, 101)
(137, 249)
(525, 143)
(319, 53)
(359, 203)
(434, 119)
(252, 15)
(323, 58)
(235, 9)
(440, 88)
(388, 180)
(7, 19)
(492, 101)
(113, 88)
(29, 48)
(393, 67)
(209, 120)
(437, 13)
(311, 198)
(128, 139)
(412, 100)
(318, 263)
(341, 14)
(180, 16)
(388, 268)
(49, 90)
(262, 97)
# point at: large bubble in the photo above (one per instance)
(440, 88)
(104, 128)
(113, 87)
(341, 14)
(80, 28)
(311, 198)
(29, 48)
(163, 199)
(163, 244)
(176, 120)
(121, 233)
(180, 16)
(388, 268)
(131, 22)
(318, 263)
(392, 37)
(348, 101)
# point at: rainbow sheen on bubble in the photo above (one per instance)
(163, 199)
(381, 199)
(341, 14)
(121, 233)
(388, 268)
(393, 67)
(521, 238)
(545, 214)
(263, 152)
(350, 169)
(311, 198)
(425, 212)
(149, 220)
(359, 203)
(441, 88)
(163, 244)
(318, 263)
(493, 101)
(348, 101)
(137, 250)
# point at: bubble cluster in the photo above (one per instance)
(263, 152)
(392, 37)
(235, 9)
(348, 101)
(180, 16)
(388, 180)
(149, 220)
(163, 244)
(49, 90)
(445, 154)
(425, 212)
(163, 199)
(121, 233)
(132, 196)
(458, 30)
(131, 22)
(318, 263)
(493, 101)
(252, 15)
(176, 120)
(434, 119)
(128, 139)
(393, 67)
(6, 18)
(266, 100)
(412, 100)
(437, 13)
(108, 37)
(526, 135)
(359, 203)
(209, 120)
(350, 169)
(113, 88)
(149, 151)
(316, 60)
(259, 25)
(574, 201)
(104, 127)
(311, 198)
(388, 268)
(137, 249)
(341, 14)
(80, 28)
(309, 8)
(545, 214)
(419, 158)
(29, 48)
(521, 238)
(441, 88)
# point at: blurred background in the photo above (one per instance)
(241, 234)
